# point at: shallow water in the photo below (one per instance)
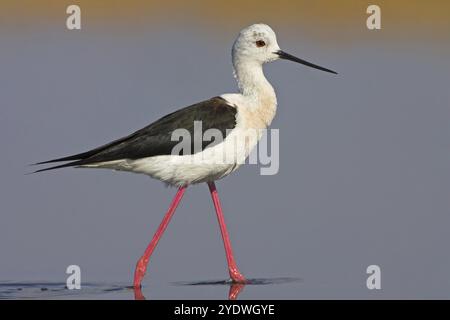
(55, 290)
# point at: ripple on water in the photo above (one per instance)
(54, 290)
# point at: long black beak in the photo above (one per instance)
(287, 56)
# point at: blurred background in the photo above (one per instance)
(364, 158)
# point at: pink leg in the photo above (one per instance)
(141, 265)
(235, 275)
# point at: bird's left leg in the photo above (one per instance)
(141, 265)
(235, 275)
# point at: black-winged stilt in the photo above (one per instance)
(236, 116)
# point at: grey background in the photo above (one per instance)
(363, 178)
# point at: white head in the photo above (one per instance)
(258, 44)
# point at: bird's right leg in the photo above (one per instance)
(141, 265)
(235, 274)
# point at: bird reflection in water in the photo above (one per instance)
(233, 293)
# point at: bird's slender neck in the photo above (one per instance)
(261, 101)
(251, 80)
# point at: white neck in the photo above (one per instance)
(259, 95)
(251, 80)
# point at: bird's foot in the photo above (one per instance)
(138, 295)
(236, 276)
(139, 272)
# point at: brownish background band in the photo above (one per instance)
(431, 18)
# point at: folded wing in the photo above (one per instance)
(156, 138)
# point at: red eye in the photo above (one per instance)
(260, 43)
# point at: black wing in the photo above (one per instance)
(156, 138)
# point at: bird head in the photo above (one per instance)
(258, 44)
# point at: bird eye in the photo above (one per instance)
(260, 43)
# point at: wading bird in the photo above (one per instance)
(150, 150)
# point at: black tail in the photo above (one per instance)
(76, 160)
(78, 156)
(85, 157)
(70, 164)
